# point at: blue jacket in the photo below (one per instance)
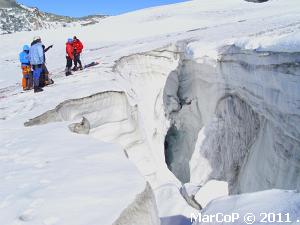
(36, 54)
(24, 58)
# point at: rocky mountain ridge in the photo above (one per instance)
(15, 17)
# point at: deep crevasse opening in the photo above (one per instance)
(245, 117)
(207, 121)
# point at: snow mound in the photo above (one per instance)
(255, 205)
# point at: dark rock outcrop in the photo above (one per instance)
(7, 3)
(257, 1)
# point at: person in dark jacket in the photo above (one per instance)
(78, 47)
(44, 78)
(69, 56)
(26, 68)
(36, 56)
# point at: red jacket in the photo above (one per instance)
(78, 46)
(70, 50)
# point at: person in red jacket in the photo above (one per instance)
(78, 46)
(69, 56)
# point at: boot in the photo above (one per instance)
(68, 71)
(75, 68)
(24, 83)
(37, 89)
(47, 80)
(51, 81)
(80, 66)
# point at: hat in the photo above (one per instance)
(74, 37)
(70, 40)
(25, 48)
(36, 38)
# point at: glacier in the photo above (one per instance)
(200, 102)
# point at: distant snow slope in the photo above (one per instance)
(190, 92)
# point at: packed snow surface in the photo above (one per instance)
(51, 177)
(265, 207)
(189, 92)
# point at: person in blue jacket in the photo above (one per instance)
(26, 68)
(36, 57)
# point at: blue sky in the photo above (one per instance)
(87, 7)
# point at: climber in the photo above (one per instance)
(36, 56)
(69, 56)
(26, 69)
(78, 46)
(44, 78)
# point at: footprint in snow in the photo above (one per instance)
(27, 215)
(41, 165)
(51, 221)
(6, 202)
(30, 213)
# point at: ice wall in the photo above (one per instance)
(246, 107)
(269, 83)
(108, 116)
(142, 211)
(188, 88)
